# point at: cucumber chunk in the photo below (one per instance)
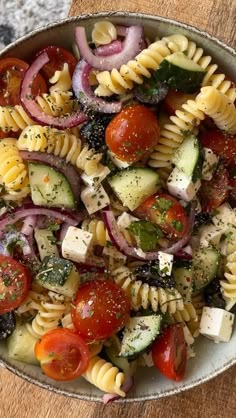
(45, 243)
(58, 275)
(49, 187)
(183, 275)
(139, 333)
(113, 355)
(180, 73)
(188, 158)
(205, 266)
(21, 345)
(133, 185)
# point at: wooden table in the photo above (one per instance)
(214, 399)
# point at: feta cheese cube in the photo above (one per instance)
(210, 234)
(181, 186)
(125, 219)
(225, 217)
(76, 244)
(95, 179)
(94, 198)
(118, 163)
(209, 165)
(114, 253)
(165, 263)
(216, 324)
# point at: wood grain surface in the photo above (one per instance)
(216, 398)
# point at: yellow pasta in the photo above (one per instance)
(228, 286)
(13, 118)
(198, 302)
(187, 314)
(103, 32)
(97, 228)
(219, 107)
(104, 376)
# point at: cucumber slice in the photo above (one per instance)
(183, 275)
(58, 275)
(188, 158)
(180, 73)
(139, 333)
(205, 266)
(21, 345)
(113, 355)
(133, 185)
(49, 187)
(45, 243)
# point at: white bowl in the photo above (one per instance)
(211, 359)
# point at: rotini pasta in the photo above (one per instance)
(198, 303)
(97, 228)
(61, 80)
(13, 118)
(105, 376)
(144, 296)
(187, 314)
(62, 144)
(219, 107)
(103, 32)
(228, 286)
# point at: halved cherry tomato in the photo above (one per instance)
(63, 354)
(175, 99)
(214, 192)
(58, 56)
(12, 71)
(169, 353)
(132, 133)
(165, 211)
(14, 284)
(100, 309)
(222, 144)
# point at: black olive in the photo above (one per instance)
(151, 92)
(7, 324)
(213, 295)
(201, 219)
(149, 273)
(93, 132)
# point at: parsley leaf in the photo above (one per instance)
(146, 233)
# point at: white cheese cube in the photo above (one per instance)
(181, 186)
(209, 165)
(210, 234)
(165, 263)
(114, 253)
(76, 244)
(225, 217)
(95, 179)
(94, 198)
(216, 324)
(125, 219)
(118, 163)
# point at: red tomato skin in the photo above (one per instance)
(175, 99)
(166, 220)
(63, 354)
(100, 309)
(132, 133)
(12, 71)
(222, 144)
(169, 353)
(14, 284)
(214, 192)
(57, 57)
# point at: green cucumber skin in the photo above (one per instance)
(183, 273)
(192, 167)
(205, 267)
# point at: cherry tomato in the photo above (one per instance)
(58, 56)
(100, 309)
(14, 284)
(214, 192)
(63, 354)
(175, 99)
(221, 144)
(165, 211)
(169, 353)
(132, 133)
(12, 71)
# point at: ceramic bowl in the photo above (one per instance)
(211, 359)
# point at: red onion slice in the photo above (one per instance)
(84, 93)
(28, 225)
(32, 210)
(131, 47)
(122, 245)
(109, 49)
(65, 168)
(34, 110)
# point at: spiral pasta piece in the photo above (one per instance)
(97, 228)
(103, 32)
(62, 144)
(187, 314)
(118, 81)
(198, 303)
(13, 118)
(104, 376)
(144, 296)
(228, 286)
(61, 80)
(13, 172)
(219, 107)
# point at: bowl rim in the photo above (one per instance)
(36, 381)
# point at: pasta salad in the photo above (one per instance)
(117, 206)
